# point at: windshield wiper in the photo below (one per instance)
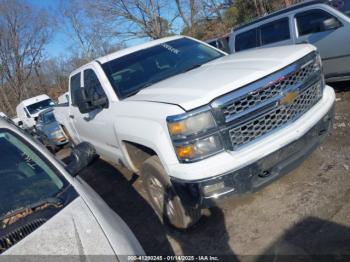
(12, 216)
(192, 67)
(148, 84)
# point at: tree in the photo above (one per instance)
(24, 32)
(136, 18)
(90, 35)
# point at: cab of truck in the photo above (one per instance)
(28, 110)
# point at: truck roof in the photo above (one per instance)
(129, 50)
(33, 100)
(280, 12)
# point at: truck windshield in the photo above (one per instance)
(131, 73)
(25, 177)
(34, 108)
(342, 5)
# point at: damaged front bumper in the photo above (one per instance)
(206, 193)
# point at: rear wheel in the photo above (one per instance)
(163, 197)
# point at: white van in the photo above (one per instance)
(28, 110)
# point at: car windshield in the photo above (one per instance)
(48, 117)
(34, 108)
(131, 73)
(342, 5)
(25, 177)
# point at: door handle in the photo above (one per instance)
(71, 116)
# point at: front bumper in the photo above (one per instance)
(205, 193)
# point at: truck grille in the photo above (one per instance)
(259, 96)
(276, 118)
(259, 108)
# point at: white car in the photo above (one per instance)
(44, 210)
(28, 110)
(198, 124)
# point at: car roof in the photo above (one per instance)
(280, 12)
(35, 99)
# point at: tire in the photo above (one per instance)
(163, 197)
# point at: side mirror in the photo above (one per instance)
(82, 155)
(331, 23)
(87, 104)
(83, 102)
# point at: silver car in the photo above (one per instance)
(49, 132)
(325, 24)
(47, 210)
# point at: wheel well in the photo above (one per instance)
(138, 153)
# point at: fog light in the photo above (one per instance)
(209, 190)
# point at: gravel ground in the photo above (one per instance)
(306, 212)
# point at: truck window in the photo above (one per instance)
(246, 40)
(74, 86)
(275, 31)
(92, 85)
(312, 21)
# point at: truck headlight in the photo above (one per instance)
(190, 124)
(199, 149)
(195, 135)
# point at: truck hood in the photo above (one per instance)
(200, 86)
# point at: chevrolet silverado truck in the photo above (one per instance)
(197, 124)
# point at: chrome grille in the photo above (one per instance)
(257, 97)
(269, 103)
(272, 120)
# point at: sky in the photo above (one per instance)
(60, 43)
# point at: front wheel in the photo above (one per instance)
(163, 197)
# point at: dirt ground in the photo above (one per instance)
(306, 212)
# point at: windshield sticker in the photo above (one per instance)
(170, 48)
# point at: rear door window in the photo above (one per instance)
(313, 21)
(74, 87)
(276, 31)
(246, 40)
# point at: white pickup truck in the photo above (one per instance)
(198, 124)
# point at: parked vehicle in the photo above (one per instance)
(220, 43)
(2, 114)
(198, 124)
(29, 109)
(325, 24)
(49, 132)
(44, 210)
(62, 99)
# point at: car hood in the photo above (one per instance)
(51, 127)
(199, 86)
(73, 231)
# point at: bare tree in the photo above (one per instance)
(188, 11)
(24, 32)
(136, 18)
(90, 36)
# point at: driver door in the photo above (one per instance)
(97, 126)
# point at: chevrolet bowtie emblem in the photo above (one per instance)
(288, 98)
